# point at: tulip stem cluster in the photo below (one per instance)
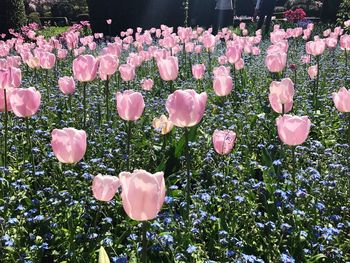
(188, 174)
(30, 145)
(6, 129)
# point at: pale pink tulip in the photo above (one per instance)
(223, 141)
(25, 102)
(127, 72)
(142, 194)
(66, 85)
(68, 144)
(293, 130)
(104, 187)
(186, 107)
(130, 105)
(85, 68)
(168, 68)
(108, 65)
(341, 100)
(312, 71)
(222, 85)
(198, 71)
(276, 62)
(147, 84)
(47, 60)
(281, 95)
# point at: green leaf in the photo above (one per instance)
(102, 256)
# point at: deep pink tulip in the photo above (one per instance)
(108, 65)
(224, 141)
(66, 85)
(341, 100)
(104, 187)
(25, 102)
(147, 84)
(312, 71)
(281, 93)
(127, 72)
(293, 130)
(276, 62)
(85, 68)
(222, 85)
(186, 107)
(47, 60)
(198, 71)
(68, 144)
(130, 105)
(142, 194)
(168, 68)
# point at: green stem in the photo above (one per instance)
(128, 146)
(6, 129)
(107, 98)
(84, 104)
(188, 174)
(346, 58)
(294, 166)
(349, 128)
(144, 242)
(317, 79)
(172, 89)
(30, 146)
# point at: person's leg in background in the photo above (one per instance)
(268, 23)
(261, 20)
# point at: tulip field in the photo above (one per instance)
(175, 145)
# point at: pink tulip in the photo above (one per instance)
(85, 68)
(198, 71)
(239, 64)
(68, 144)
(127, 72)
(306, 59)
(186, 107)
(276, 62)
(62, 53)
(347, 23)
(316, 47)
(47, 60)
(221, 71)
(168, 68)
(281, 93)
(66, 85)
(108, 65)
(142, 194)
(130, 105)
(10, 78)
(222, 60)
(293, 130)
(147, 84)
(25, 102)
(104, 187)
(341, 100)
(345, 42)
(222, 85)
(312, 71)
(109, 21)
(223, 141)
(233, 54)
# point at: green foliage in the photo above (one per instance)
(63, 9)
(344, 11)
(52, 31)
(34, 17)
(12, 14)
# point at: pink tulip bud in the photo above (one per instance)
(147, 84)
(109, 21)
(62, 53)
(186, 107)
(306, 59)
(108, 65)
(66, 85)
(130, 105)
(223, 141)
(162, 124)
(85, 68)
(104, 187)
(222, 85)
(142, 194)
(312, 71)
(239, 64)
(281, 93)
(347, 23)
(198, 71)
(222, 60)
(127, 72)
(68, 144)
(341, 100)
(25, 102)
(168, 68)
(293, 130)
(276, 62)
